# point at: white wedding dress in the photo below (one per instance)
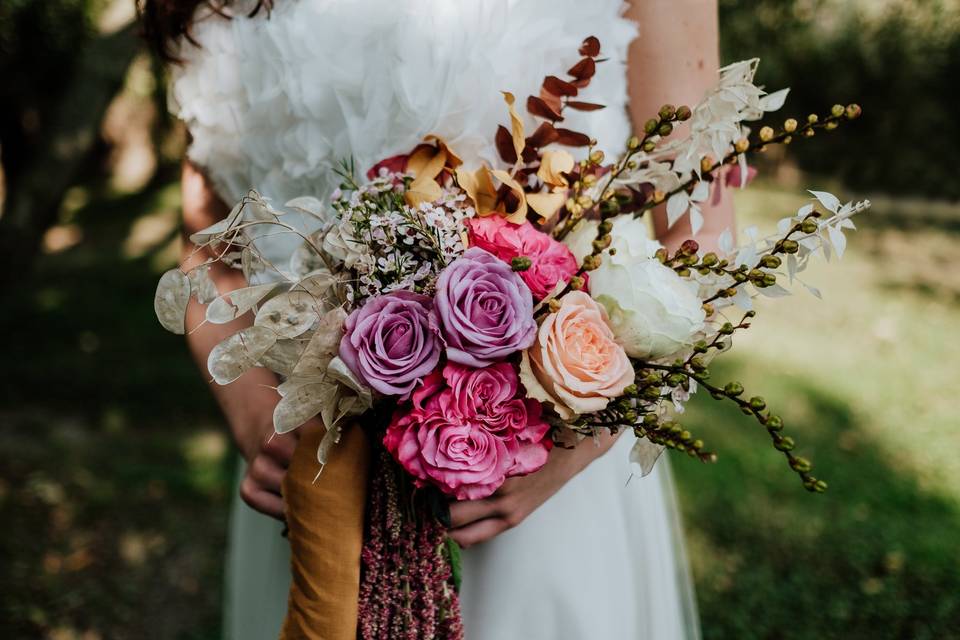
(274, 103)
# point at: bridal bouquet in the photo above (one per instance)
(480, 315)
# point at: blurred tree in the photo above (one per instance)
(59, 76)
(900, 59)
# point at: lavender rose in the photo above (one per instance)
(485, 309)
(391, 342)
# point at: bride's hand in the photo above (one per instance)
(475, 521)
(248, 402)
(267, 462)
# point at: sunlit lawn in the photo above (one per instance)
(867, 382)
(114, 470)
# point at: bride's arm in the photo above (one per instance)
(675, 59)
(248, 402)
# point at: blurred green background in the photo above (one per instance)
(115, 468)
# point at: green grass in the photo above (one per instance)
(115, 470)
(866, 382)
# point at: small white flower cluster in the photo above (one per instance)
(390, 245)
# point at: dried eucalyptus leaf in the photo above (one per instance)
(338, 370)
(300, 401)
(234, 304)
(282, 357)
(170, 301)
(315, 358)
(256, 207)
(212, 232)
(317, 283)
(645, 454)
(305, 259)
(235, 355)
(330, 438)
(308, 205)
(323, 346)
(201, 286)
(251, 263)
(288, 314)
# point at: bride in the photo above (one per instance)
(276, 93)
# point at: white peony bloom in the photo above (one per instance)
(580, 240)
(653, 312)
(630, 240)
(341, 243)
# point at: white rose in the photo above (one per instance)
(630, 240)
(341, 243)
(653, 312)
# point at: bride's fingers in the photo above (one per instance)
(463, 513)
(280, 447)
(260, 499)
(478, 531)
(267, 473)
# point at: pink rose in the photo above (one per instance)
(575, 363)
(492, 396)
(496, 235)
(467, 430)
(551, 261)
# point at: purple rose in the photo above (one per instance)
(485, 309)
(391, 342)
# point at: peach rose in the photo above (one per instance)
(575, 364)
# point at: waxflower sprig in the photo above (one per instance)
(744, 146)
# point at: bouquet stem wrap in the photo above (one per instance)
(326, 519)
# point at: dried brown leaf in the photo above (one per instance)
(553, 100)
(590, 47)
(544, 135)
(585, 106)
(559, 87)
(539, 107)
(504, 142)
(584, 69)
(572, 138)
